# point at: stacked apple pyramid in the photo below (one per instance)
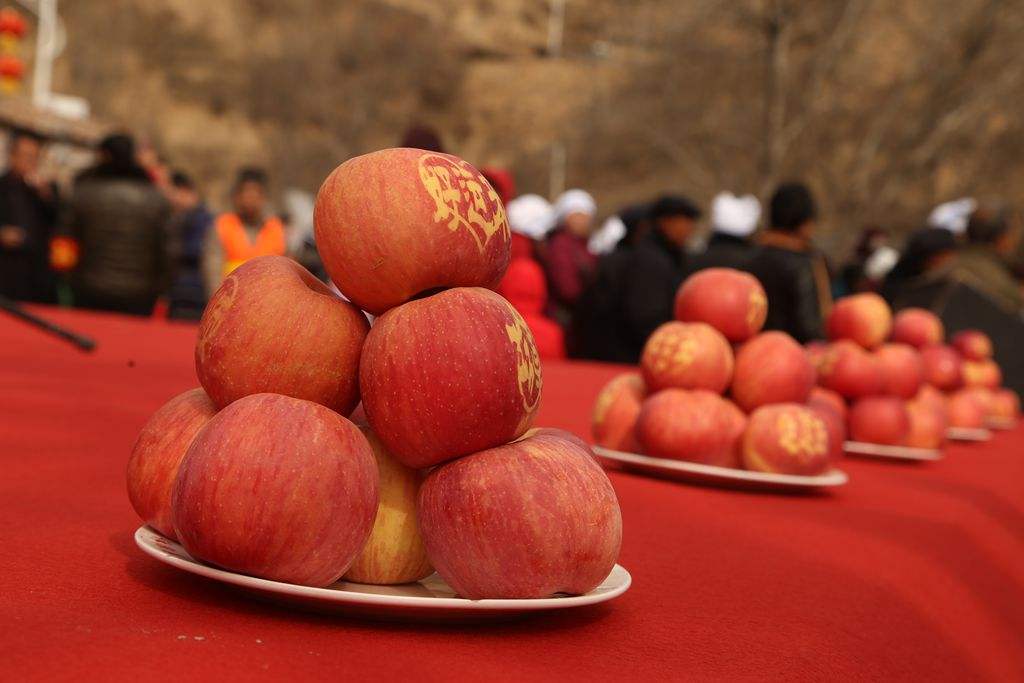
(271, 468)
(713, 389)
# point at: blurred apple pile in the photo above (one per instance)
(714, 389)
(273, 468)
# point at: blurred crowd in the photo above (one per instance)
(135, 237)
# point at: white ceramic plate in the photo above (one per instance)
(431, 599)
(877, 450)
(1002, 423)
(721, 476)
(968, 434)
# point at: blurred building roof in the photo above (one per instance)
(16, 112)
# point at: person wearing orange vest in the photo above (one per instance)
(244, 233)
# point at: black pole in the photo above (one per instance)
(11, 307)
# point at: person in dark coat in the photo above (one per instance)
(793, 273)
(733, 223)
(993, 235)
(28, 216)
(119, 219)
(635, 285)
(926, 258)
(190, 225)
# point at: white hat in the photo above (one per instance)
(607, 236)
(734, 215)
(574, 201)
(881, 262)
(530, 215)
(954, 215)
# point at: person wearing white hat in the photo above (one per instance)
(733, 223)
(531, 218)
(953, 216)
(569, 261)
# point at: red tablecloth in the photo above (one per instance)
(909, 572)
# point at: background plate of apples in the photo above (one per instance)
(877, 450)
(968, 434)
(730, 477)
(428, 599)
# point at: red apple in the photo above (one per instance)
(786, 438)
(835, 424)
(927, 425)
(964, 409)
(273, 327)
(525, 520)
(1005, 404)
(394, 553)
(826, 397)
(688, 425)
(615, 412)
(771, 368)
(278, 488)
(815, 351)
(849, 370)
(932, 397)
(917, 327)
(972, 344)
(902, 369)
(879, 419)
(981, 373)
(157, 453)
(396, 223)
(449, 375)
(942, 367)
(731, 301)
(863, 318)
(739, 427)
(687, 356)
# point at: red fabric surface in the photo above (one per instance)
(909, 572)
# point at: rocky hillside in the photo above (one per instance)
(884, 107)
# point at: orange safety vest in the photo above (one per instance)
(237, 247)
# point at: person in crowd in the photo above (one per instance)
(119, 220)
(568, 260)
(993, 234)
(502, 181)
(526, 289)
(927, 257)
(190, 226)
(953, 216)
(531, 218)
(733, 222)
(244, 233)
(419, 136)
(872, 259)
(634, 289)
(793, 273)
(28, 216)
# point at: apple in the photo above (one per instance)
(942, 366)
(771, 368)
(394, 553)
(972, 344)
(158, 452)
(815, 351)
(902, 369)
(964, 409)
(687, 356)
(931, 397)
(396, 223)
(787, 438)
(927, 425)
(826, 397)
(849, 370)
(879, 419)
(981, 373)
(448, 375)
(616, 410)
(1005, 405)
(731, 301)
(688, 425)
(278, 488)
(529, 519)
(863, 318)
(835, 424)
(917, 327)
(273, 327)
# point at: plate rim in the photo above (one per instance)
(909, 453)
(145, 536)
(968, 433)
(832, 478)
